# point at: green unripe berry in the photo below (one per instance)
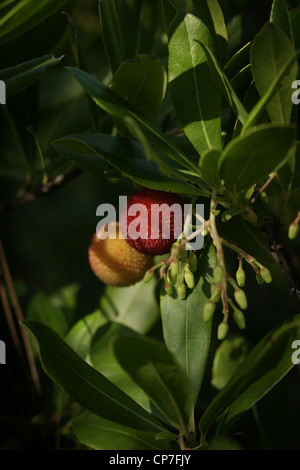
(222, 331)
(168, 288)
(293, 230)
(241, 299)
(215, 295)
(259, 279)
(192, 259)
(240, 277)
(209, 309)
(148, 276)
(189, 277)
(218, 274)
(173, 271)
(266, 275)
(239, 319)
(181, 290)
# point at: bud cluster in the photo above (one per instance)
(177, 271)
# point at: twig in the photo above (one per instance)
(57, 183)
(19, 315)
(254, 199)
(281, 256)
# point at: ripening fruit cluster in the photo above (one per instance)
(125, 261)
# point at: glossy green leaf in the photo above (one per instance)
(125, 305)
(84, 384)
(103, 359)
(155, 370)
(24, 16)
(196, 101)
(142, 83)
(186, 334)
(118, 108)
(228, 356)
(224, 86)
(21, 76)
(250, 157)
(210, 12)
(270, 52)
(80, 336)
(208, 163)
(102, 434)
(267, 363)
(92, 152)
(238, 61)
(111, 33)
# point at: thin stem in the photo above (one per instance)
(19, 315)
(254, 199)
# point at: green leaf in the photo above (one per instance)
(41, 309)
(125, 305)
(118, 108)
(142, 83)
(238, 61)
(228, 356)
(208, 163)
(155, 370)
(186, 334)
(102, 434)
(84, 384)
(267, 363)
(111, 33)
(279, 16)
(21, 76)
(271, 56)
(224, 86)
(294, 19)
(103, 359)
(289, 174)
(210, 12)
(24, 16)
(91, 152)
(196, 102)
(79, 337)
(255, 154)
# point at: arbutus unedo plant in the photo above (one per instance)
(152, 342)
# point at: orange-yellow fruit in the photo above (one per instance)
(115, 262)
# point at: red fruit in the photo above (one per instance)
(153, 227)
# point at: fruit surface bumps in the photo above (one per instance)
(152, 199)
(115, 262)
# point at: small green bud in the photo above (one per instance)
(222, 331)
(189, 277)
(240, 298)
(215, 211)
(266, 275)
(148, 276)
(240, 277)
(215, 295)
(218, 274)
(173, 271)
(168, 288)
(293, 230)
(192, 259)
(259, 279)
(208, 311)
(239, 319)
(181, 290)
